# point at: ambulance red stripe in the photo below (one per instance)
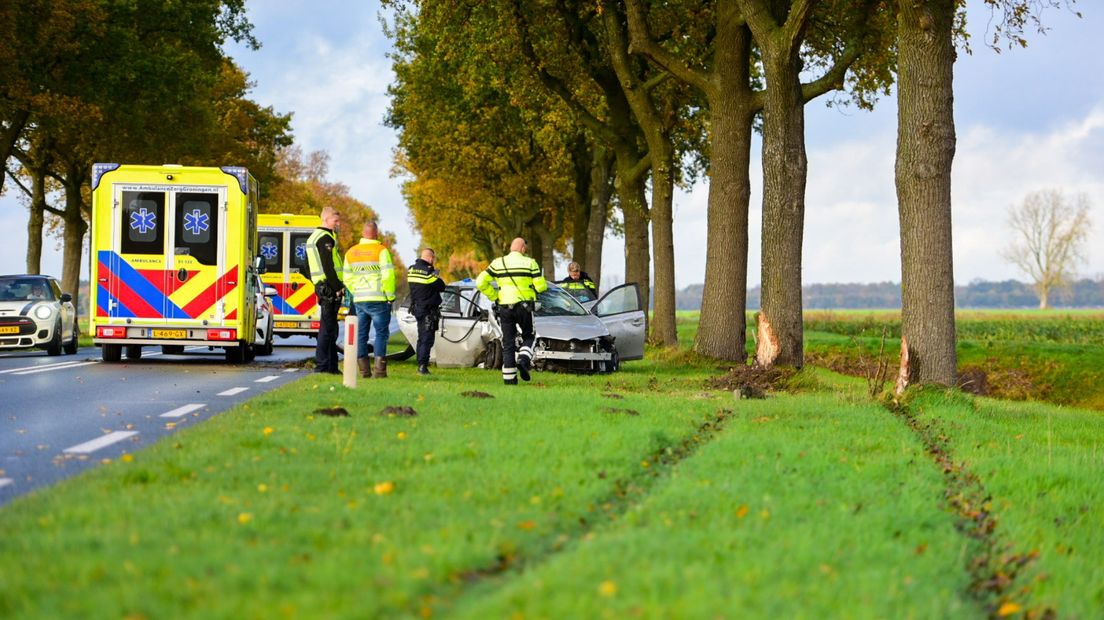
(207, 298)
(126, 296)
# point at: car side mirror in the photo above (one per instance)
(269, 291)
(259, 264)
(66, 297)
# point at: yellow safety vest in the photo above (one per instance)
(369, 272)
(518, 276)
(314, 258)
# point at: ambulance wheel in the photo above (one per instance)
(71, 346)
(172, 349)
(249, 353)
(235, 355)
(112, 352)
(54, 346)
(134, 351)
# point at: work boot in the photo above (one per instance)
(365, 366)
(380, 371)
(523, 368)
(423, 369)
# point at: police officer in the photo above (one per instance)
(519, 280)
(579, 284)
(370, 276)
(425, 303)
(324, 261)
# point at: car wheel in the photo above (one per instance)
(492, 355)
(172, 349)
(615, 362)
(266, 348)
(235, 355)
(54, 346)
(112, 352)
(134, 352)
(74, 342)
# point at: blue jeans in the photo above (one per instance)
(379, 313)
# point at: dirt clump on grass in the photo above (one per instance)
(628, 412)
(476, 394)
(752, 381)
(333, 412)
(400, 411)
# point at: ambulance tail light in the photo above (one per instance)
(222, 334)
(316, 325)
(110, 332)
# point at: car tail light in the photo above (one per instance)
(111, 332)
(316, 324)
(222, 334)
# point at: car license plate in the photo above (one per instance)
(170, 333)
(287, 324)
(9, 329)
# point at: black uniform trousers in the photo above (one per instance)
(515, 319)
(428, 320)
(325, 352)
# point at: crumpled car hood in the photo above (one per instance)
(569, 327)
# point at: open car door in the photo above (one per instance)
(623, 314)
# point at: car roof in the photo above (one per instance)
(27, 276)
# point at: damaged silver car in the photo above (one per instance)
(569, 337)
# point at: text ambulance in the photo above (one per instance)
(282, 243)
(172, 248)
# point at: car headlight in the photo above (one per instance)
(43, 312)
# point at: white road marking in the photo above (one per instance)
(233, 391)
(100, 442)
(182, 411)
(5, 482)
(290, 369)
(39, 367)
(267, 379)
(66, 366)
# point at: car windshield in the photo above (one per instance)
(558, 302)
(22, 289)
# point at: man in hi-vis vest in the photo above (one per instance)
(519, 280)
(324, 261)
(370, 277)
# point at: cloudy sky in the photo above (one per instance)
(1027, 119)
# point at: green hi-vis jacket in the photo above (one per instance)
(518, 276)
(322, 270)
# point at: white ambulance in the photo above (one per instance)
(172, 251)
(282, 243)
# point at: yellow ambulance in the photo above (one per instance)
(173, 249)
(282, 243)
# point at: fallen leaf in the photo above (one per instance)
(607, 589)
(1007, 609)
(385, 488)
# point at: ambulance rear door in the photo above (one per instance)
(301, 294)
(167, 265)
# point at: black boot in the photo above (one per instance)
(423, 369)
(523, 368)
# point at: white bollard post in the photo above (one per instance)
(350, 370)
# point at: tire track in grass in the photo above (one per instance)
(994, 566)
(626, 492)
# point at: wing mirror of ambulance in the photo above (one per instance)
(269, 291)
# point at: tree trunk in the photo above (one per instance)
(785, 167)
(581, 159)
(723, 323)
(925, 152)
(74, 229)
(1044, 297)
(631, 191)
(35, 221)
(601, 188)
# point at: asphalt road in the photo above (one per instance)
(62, 415)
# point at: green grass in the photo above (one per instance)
(637, 494)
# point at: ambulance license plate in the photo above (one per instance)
(170, 333)
(287, 324)
(10, 329)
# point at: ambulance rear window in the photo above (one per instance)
(197, 226)
(143, 215)
(270, 245)
(298, 247)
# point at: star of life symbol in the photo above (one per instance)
(301, 251)
(143, 220)
(196, 222)
(268, 250)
